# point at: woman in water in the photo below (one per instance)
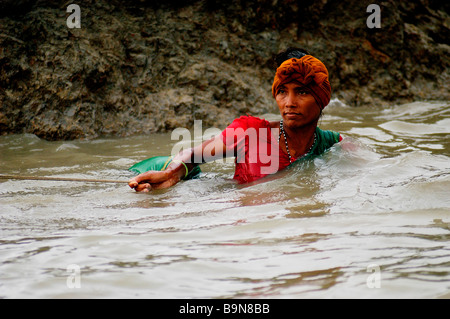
(301, 90)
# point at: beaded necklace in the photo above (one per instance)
(287, 147)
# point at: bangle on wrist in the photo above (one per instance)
(181, 162)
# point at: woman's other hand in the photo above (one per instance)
(147, 181)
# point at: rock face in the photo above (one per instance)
(135, 67)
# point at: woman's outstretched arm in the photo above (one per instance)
(180, 166)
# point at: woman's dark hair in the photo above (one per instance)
(290, 53)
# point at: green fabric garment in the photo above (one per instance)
(325, 140)
(159, 163)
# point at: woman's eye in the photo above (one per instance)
(302, 92)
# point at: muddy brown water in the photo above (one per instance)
(371, 221)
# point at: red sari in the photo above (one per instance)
(257, 150)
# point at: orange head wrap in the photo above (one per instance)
(308, 71)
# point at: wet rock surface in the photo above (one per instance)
(136, 67)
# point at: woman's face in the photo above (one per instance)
(297, 106)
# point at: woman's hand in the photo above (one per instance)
(147, 181)
(180, 166)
